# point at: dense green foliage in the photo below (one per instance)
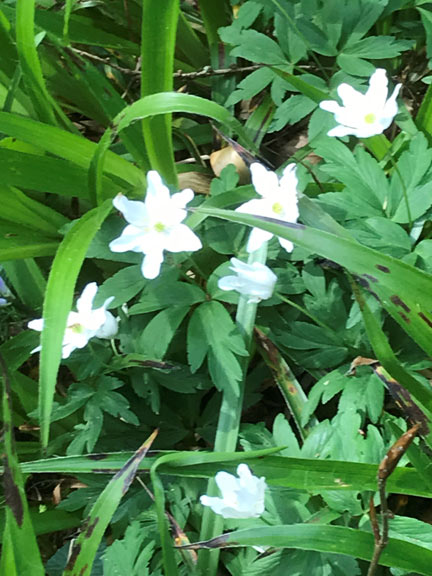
(93, 95)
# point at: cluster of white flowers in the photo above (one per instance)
(156, 225)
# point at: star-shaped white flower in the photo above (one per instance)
(363, 115)
(279, 200)
(254, 280)
(85, 324)
(242, 497)
(155, 225)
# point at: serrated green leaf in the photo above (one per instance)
(212, 332)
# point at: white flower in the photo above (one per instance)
(279, 200)
(242, 497)
(155, 225)
(255, 280)
(85, 324)
(364, 115)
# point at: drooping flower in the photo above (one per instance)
(85, 324)
(254, 280)
(155, 225)
(363, 115)
(279, 200)
(242, 497)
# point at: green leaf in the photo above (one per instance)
(310, 474)
(335, 539)
(212, 333)
(125, 555)
(123, 285)
(26, 48)
(167, 102)
(76, 149)
(377, 47)
(257, 47)
(19, 546)
(161, 329)
(20, 209)
(43, 174)
(86, 545)
(165, 292)
(58, 303)
(158, 35)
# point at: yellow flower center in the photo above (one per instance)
(370, 118)
(277, 208)
(159, 227)
(77, 328)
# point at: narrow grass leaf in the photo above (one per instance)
(21, 550)
(404, 291)
(72, 147)
(158, 35)
(58, 303)
(168, 102)
(86, 545)
(331, 539)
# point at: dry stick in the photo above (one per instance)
(204, 73)
(385, 469)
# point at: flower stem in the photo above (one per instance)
(229, 423)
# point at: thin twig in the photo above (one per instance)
(385, 469)
(203, 73)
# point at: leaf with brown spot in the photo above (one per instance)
(86, 545)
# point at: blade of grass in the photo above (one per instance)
(176, 102)
(312, 475)
(86, 545)
(22, 553)
(27, 281)
(76, 149)
(331, 539)
(404, 291)
(30, 65)
(58, 303)
(159, 25)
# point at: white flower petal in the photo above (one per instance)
(228, 283)
(180, 199)
(351, 98)
(182, 239)
(129, 240)
(135, 212)
(378, 88)
(340, 131)
(227, 483)
(330, 106)
(36, 324)
(109, 328)
(157, 195)
(264, 180)
(85, 301)
(151, 265)
(257, 238)
(287, 244)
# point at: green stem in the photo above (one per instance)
(303, 311)
(229, 424)
(404, 191)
